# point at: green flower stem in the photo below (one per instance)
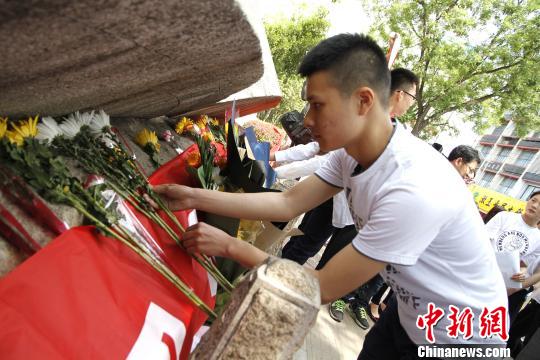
(206, 263)
(93, 161)
(156, 264)
(224, 282)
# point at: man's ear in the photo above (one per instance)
(458, 161)
(365, 98)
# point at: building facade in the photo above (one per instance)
(511, 165)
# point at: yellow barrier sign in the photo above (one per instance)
(486, 199)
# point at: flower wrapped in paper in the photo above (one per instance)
(96, 157)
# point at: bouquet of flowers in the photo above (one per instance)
(211, 156)
(267, 132)
(33, 151)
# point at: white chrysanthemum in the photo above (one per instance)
(100, 120)
(48, 129)
(107, 141)
(73, 123)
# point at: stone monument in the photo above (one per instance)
(268, 317)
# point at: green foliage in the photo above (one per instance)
(290, 88)
(289, 41)
(474, 57)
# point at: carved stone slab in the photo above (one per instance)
(132, 58)
(269, 314)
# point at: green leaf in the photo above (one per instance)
(202, 177)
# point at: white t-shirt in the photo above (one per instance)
(305, 161)
(414, 212)
(508, 232)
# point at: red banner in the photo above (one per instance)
(86, 296)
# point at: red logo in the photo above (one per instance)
(494, 323)
(460, 322)
(491, 323)
(429, 320)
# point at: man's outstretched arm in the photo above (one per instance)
(251, 206)
(347, 270)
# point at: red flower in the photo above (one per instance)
(220, 157)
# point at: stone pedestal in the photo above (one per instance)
(269, 314)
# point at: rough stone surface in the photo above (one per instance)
(131, 58)
(263, 94)
(269, 314)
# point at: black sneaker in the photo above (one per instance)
(336, 310)
(360, 316)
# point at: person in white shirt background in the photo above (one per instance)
(527, 321)
(510, 232)
(416, 228)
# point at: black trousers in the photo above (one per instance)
(360, 296)
(387, 339)
(376, 299)
(526, 323)
(317, 228)
(515, 302)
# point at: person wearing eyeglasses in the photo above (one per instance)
(466, 161)
(402, 91)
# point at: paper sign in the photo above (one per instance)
(509, 265)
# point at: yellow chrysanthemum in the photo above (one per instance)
(3, 126)
(207, 136)
(14, 137)
(214, 121)
(26, 128)
(182, 124)
(202, 121)
(145, 137)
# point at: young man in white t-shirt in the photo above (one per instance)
(416, 225)
(509, 232)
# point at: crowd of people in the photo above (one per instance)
(392, 211)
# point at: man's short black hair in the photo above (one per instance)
(402, 79)
(467, 153)
(537, 192)
(353, 60)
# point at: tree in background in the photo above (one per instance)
(479, 58)
(289, 40)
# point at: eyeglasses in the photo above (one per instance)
(411, 95)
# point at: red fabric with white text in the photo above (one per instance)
(87, 296)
